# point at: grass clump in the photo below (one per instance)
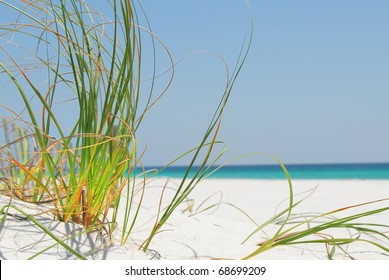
(96, 62)
(93, 62)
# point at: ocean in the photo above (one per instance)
(374, 171)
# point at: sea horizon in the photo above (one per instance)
(369, 170)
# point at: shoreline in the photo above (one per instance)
(218, 216)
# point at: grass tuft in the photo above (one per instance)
(92, 62)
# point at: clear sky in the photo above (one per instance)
(314, 89)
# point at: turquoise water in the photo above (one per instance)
(297, 171)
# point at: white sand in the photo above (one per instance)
(215, 233)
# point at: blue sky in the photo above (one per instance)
(314, 89)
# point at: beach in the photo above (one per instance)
(212, 224)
